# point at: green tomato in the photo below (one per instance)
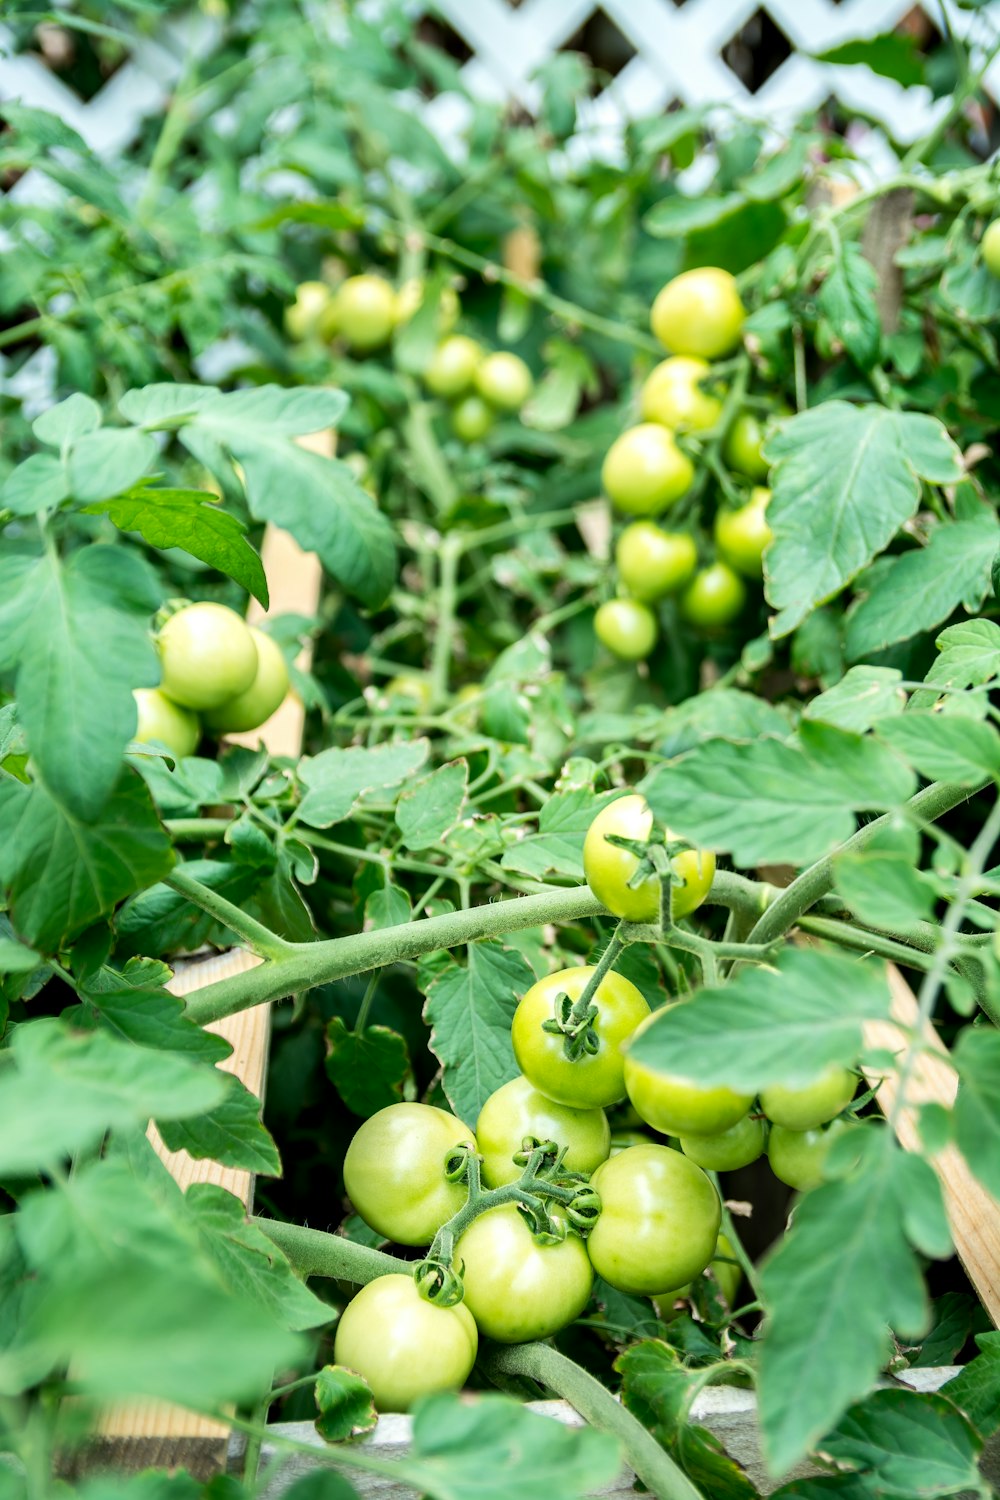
(207, 654)
(364, 308)
(817, 1102)
(727, 1150)
(676, 1106)
(311, 312)
(595, 1080)
(394, 1171)
(742, 448)
(517, 1111)
(163, 722)
(652, 562)
(609, 868)
(415, 691)
(991, 247)
(452, 366)
(411, 294)
(659, 1221)
(714, 597)
(627, 628)
(471, 419)
(402, 1346)
(742, 535)
(723, 1267)
(518, 1289)
(261, 699)
(797, 1157)
(504, 380)
(644, 471)
(699, 313)
(673, 395)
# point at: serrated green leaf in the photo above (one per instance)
(977, 1108)
(677, 216)
(942, 748)
(335, 779)
(367, 1069)
(346, 1407)
(107, 462)
(17, 958)
(40, 483)
(71, 419)
(892, 54)
(230, 1132)
(883, 888)
(970, 657)
(862, 697)
(976, 1389)
(907, 1444)
(847, 300)
(557, 847)
(134, 1003)
(427, 811)
(470, 1008)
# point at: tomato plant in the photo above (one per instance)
(208, 656)
(659, 1220)
(394, 1171)
(516, 1288)
(645, 470)
(517, 1111)
(598, 1077)
(403, 1346)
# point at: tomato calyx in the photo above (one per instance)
(574, 1021)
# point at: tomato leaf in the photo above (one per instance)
(470, 1008)
(977, 1107)
(62, 424)
(847, 299)
(907, 1443)
(159, 920)
(134, 1004)
(230, 1133)
(893, 54)
(976, 1388)
(862, 697)
(432, 806)
(882, 888)
(970, 657)
(335, 779)
(678, 215)
(40, 483)
(941, 748)
(107, 462)
(367, 1069)
(346, 1405)
(557, 847)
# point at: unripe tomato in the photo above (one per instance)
(311, 312)
(260, 700)
(504, 380)
(672, 394)
(797, 1156)
(659, 1221)
(609, 867)
(402, 1346)
(364, 308)
(515, 1288)
(164, 721)
(410, 295)
(722, 1267)
(676, 1106)
(394, 1171)
(592, 1081)
(652, 562)
(742, 535)
(471, 419)
(699, 313)
(627, 628)
(416, 691)
(207, 655)
(452, 366)
(714, 597)
(644, 470)
(743, 447)
(991, 247)
(806, 1108)
(518, 1110)
(728, 1150)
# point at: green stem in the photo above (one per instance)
(733, 1236)
(444, 627)
(258, 938)
(315, 1253)
(858, 940)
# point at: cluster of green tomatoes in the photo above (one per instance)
(698, 317)
(522, 1213)
(216, 673)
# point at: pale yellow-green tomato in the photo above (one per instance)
(504, 380)
(699, 313)
(207, 655)
(518, 1111)
(402, 1345)
(251, 708)
(311, 312)
(812, 1105)
(164, 722)
(742, 535)
(609, 868)
(652, 562)
(452, 366)
(676, 1106)
(644, 471)
(673, 395)
(471, 419)
(364, 308)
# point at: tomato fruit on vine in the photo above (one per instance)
(403, 1346)
(991, 247)
(515, 1287)
(743, 447)
(727, 1150)
(723, 1267)
(597, 1079)
(166, 722)
(673, 395)
(797, 1157)
(311, 312)
(394, 1171)
(471, 419)
(659, 1221)
(207, 654)
(742, 535)
(265, 694)
(714, 597)
(627, 628)
(452, 366)
(676, 1106)
(609, 868)
(364, 309)
(644, 471)
(652, 562)
(504, 380)
(699, 313)
(517, 1111)
(805, 1108)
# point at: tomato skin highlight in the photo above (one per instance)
(672, 395)
(659, 1221)
(207, 655)
(727, 1150)
(471, 419)
(609, 868)
(677, 1106)
(515, 1288)
(990, 247)
(261, 699)
(627, 628)
(516, 1110)
(504, 380)
(811, 1106)
(652, 562)
(644, 471)
(699, 313)
(163, 720)
(394, 1171)
(403, 1346)
(364, 308)
(715, 597)
(742, 535)
(591, 1082)
(743, 447)
(452, 366)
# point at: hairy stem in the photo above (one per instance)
(256, 936)
(313, 1252)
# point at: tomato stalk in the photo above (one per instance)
(576, 1022)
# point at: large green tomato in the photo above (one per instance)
(515, 1288)
(260, 700)
(817, 1102)
(723, 1267)
(504, 380)
(714, 597)
(595, 1080)
(165, 722)
(727, 1150)
(627, 628)
(743, 447)
(394, 1171)
(402, 1346)
(452, 366)
(699, 313)
(364, 309)
(659, 1221)
(471, 419)
(797, 1157)
(652, 562)
(676, 1106)
(518, 1111)
(207, 654)
(609, 868)
(311, 312)
(742, 535)
(644, 470)
(673, 394)
(991, 247)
